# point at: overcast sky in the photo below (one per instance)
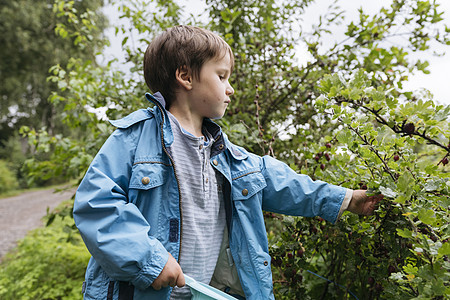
(437, 82)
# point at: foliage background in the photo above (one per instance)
(29, 48)
(48, 264)
(344, 118)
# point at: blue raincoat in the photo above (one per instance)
(127, 208)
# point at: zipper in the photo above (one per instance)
(176, 176)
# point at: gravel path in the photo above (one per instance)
(24, 212)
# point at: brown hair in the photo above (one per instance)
(177, 47)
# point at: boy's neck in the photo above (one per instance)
(189, 121)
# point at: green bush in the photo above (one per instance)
(8, 180)
(49, 263)
(396, 148)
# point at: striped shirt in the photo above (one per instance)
(203, 211)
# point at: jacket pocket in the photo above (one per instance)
(97, 285)
(247, 183)
(147, 175)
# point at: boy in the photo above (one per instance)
(169, 194)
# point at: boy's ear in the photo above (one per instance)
(184, 77)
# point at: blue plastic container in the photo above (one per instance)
(201, 291)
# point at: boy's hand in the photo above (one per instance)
(362, 204)
(171, 275)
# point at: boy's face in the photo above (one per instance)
(211, 92)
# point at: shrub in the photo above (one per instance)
(8, 180)
(49, 263)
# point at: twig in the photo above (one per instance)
(380, 119)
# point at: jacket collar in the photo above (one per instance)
(156, 97)
(161, 114)
(219, 141)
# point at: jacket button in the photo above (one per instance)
(215, 162)
(221, 146)
(145, 180)
(266, 263)
(244, 192)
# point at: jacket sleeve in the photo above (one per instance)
(296, 194)
(113, 229)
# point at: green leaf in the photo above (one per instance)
(62, 85)
(432, 185)
(445, 249)
(427, 216)
(344, 137)
(410, 269)
(387, 192)
(406, 233)
(405, 182)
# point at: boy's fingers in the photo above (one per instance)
(363, 204)
(180, 280)
(373, 202)
(173, 282)
(376, 198)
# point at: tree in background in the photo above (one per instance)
(30, 46)
(343, 118)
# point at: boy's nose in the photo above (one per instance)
(230, 90)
